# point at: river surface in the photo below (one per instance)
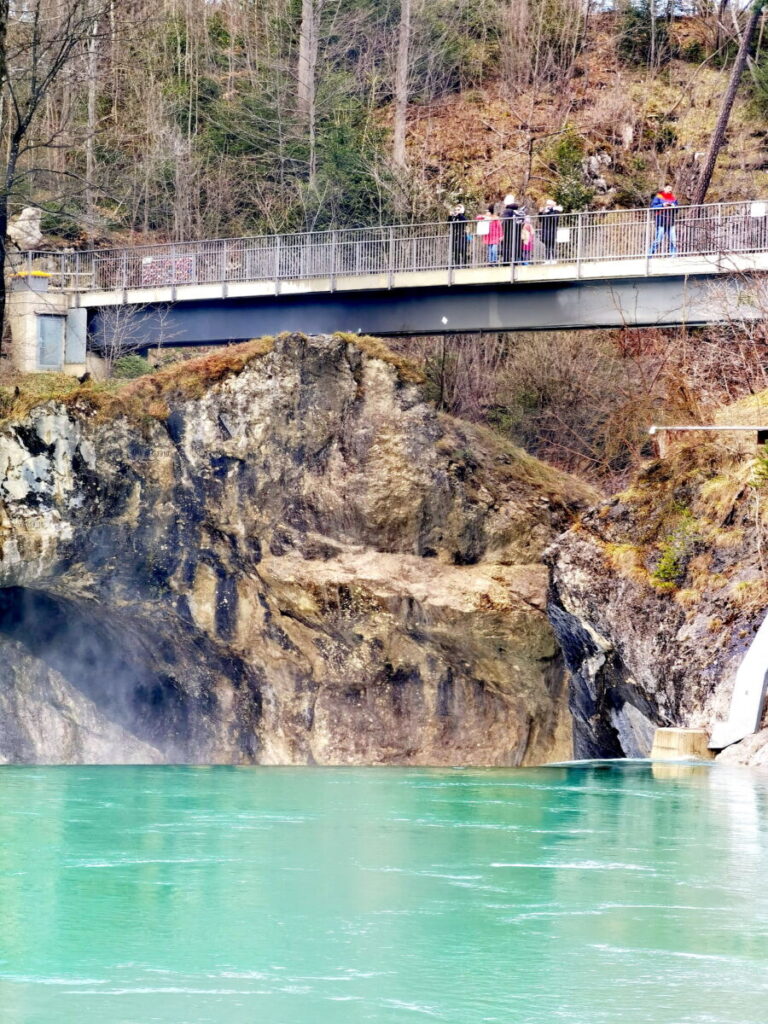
(579, 895)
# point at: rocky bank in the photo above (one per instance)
(656, 594)
(277, 554)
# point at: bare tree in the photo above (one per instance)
(123, 331)
(309, 33)
(90, 158)
(401, 83)
(39, 40)
(718, 136)
(542, 41)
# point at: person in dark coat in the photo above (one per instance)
(549, 218)
(512, 220)
(457, 218)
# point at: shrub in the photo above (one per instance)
(642, 39)
(694, 52)
(760, 89)
(676, 550)
(565, 159)
(61, 219)
(760, 473)
(131, 366)
(660, 133)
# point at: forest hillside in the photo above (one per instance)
(202, 118)
(135, 122)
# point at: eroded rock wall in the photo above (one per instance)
(302, 563)
(656, 595)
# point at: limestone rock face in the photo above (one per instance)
(303, 563)
(24, 230)
(656, 595)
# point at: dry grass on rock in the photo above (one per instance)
(150, 396)
(145, 398)
(375, 348)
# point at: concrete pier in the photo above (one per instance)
(678, 744)
(47, 333)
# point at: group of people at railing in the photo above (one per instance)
(510, 236)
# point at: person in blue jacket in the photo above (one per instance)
(664, 205)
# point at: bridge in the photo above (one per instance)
(592, 269)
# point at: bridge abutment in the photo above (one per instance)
(47, 334)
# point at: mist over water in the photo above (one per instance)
(338, 896)
(116, 664)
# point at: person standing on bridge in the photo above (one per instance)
(664, 204)
(457, 218)
(527, 239)
(512, 220)
(549, 219)
(489, 228)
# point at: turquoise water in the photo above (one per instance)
(341, 896)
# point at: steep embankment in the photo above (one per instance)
(657, 593)
(276, 554)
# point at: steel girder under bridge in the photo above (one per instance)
(635, 302)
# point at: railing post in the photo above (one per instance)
(391, 257)
(332, 275)
(77, 271)
(450, 251)
(277, 263)
(648, 237)
(125, 273)
(579, 223)
(173, 264)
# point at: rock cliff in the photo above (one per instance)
(277, 554)
(657, 592)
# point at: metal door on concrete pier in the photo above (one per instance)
(50, 341)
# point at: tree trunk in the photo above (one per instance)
(3, 190)
(719, 27)
(90, 157)
(652, 54)
(401, 82)
(306, 72)
(718, 136)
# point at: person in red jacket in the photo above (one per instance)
(490, 229)
(664, 205)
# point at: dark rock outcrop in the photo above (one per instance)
(655, 596)
(296, 562)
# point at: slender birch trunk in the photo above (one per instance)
(401, 83)
(90, 154)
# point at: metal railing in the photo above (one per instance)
(571, 238)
